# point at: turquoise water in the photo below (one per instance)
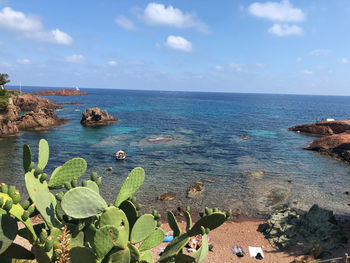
(206, 145)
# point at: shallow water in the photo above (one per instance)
(206, 130)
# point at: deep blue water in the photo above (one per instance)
(206, 129)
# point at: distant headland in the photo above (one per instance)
(61, 92)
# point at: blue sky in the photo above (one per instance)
(300, 47)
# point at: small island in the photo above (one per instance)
(61, 92)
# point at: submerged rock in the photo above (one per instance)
(95, 117)
(195, 190)
(316, 229)
(167, 197)
(258, 174)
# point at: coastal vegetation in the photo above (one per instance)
(4, 79)
(79, 226)
(4, 99)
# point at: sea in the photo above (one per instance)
(238, 145)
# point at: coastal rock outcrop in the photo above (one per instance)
(335, 141)
(95, 117)
(31, 102)
(317, 228)
(61, 92)
(323, 128)
(8, 125)
(39, 120)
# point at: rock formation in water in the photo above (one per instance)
(31, 102)
(322, 128)
(39, 120)
(61, 92)
(335, 141)
(95, 117)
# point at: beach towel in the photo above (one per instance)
(255, 251)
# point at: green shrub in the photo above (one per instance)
(4, 99)
(78, 224)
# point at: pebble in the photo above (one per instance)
(110, 168)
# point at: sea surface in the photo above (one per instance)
(206, 131)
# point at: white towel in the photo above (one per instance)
(253, 251)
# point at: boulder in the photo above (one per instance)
(61, 92)
(258, 174)
(322, 128)
(195, 190)
(95, 117)
(167, 197)
(330, 142)
(316, 230)
(39, 120)
(30, 102)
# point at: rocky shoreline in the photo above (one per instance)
(41, 115)
(335, 140)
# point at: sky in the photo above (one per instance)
(286, 46)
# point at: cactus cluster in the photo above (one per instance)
(78, 223)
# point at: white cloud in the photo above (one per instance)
(277, 11)
(219, 68)
(24, 61)
(30, 26)
(5, 64)
(75, 59)
(235, 66)
(285, 30)
(344, 60)
(320, 52)
(299, 59)
(158, 14)
(125, 23)
(178, 43)
(113, 63)
(307, 72)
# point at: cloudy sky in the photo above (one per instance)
(281, 46)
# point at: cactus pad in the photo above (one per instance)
(43, 156)
(130, 212)
(81, 254)
(119, 256)
(92, 185)
(82, 202)
(174, 248)
(173, 224)
(188, 221)
(211, 221)
(134, 253)
(27, 158)
(8, 230)
(105, 239)
(144, 227)
(153, 240)
(116, 217)
(74, 168)
(202, 252)
(42, 198)
(131, 184)
(146, 257)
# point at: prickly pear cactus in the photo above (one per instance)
(78, 223)
(131, 184)
(74, 168)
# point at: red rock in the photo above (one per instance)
(61, 92)
(323, 127)
(8, 124)
(340, 141)
(110, 168)
(30, 102)
(39, 120)
(96, 117)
